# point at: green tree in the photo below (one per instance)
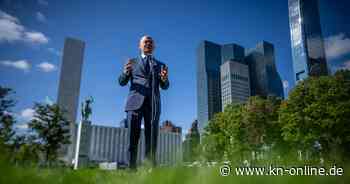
(242, 129)
(6, 119)
(25, 150)
(191, 143)
(52, 129)
(221, 133)
(318, 111)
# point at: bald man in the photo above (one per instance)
(146, 75)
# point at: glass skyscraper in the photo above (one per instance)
(306, 39)
(209, 58)
(232, 51)
(241, 76)
(264, 77)
(208, 82)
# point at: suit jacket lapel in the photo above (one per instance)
(140, 64)
(154, 64)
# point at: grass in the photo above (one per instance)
(12, 174)
(178, 174)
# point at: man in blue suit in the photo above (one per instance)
(146, 75)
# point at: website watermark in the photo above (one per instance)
(225, 170)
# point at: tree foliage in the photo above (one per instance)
(243, 128)
(191, 143)
(6, 119)
(52, 129)
(318, 112)
(314, 119)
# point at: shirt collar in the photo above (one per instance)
(143, 55)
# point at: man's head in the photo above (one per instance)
(146, 44)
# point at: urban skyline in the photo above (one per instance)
(230, 73)
(30, 62)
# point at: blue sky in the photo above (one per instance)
(32, 34)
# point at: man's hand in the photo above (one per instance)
(128, 67)
(164, 73)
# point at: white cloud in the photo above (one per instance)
(20, 64)
(43, 2)
(22, 126)
(40, 17)
(285, 84)
(346, 65)
(8, 113)
(48, 100)
(36, 37)
(54, 51)
(6, 16)
(343, 66)
(337, 45)
(27, 114)
(12, 30)
(46, 67)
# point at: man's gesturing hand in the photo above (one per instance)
(164, 73)
(128, 67)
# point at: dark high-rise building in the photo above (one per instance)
(264, 78)
(208, 82)
(69, 87)
(241, 76)
(232, 52)
(306, 39)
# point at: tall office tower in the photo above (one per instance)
(69, 87)
(232, 52)
(208, 82)
(306, 39)
(264, 78)
(235, 83)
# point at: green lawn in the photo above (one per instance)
(12, 175)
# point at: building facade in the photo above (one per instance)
(232, 52)
(235, 83)
(264, 77)
(168, 126)
(110, 144)
(208, 82)
(306, 39)
(246, 74)
(69, 87)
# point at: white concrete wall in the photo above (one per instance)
(110, 144)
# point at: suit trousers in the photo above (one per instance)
(134, 118)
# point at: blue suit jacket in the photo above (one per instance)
(140, 84)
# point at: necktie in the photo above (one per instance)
(147, 64)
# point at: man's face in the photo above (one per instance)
(147, 45)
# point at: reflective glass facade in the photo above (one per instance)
(208, 82)
(306, 39)
(232, 52)
(264, 78)
(240, 76)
